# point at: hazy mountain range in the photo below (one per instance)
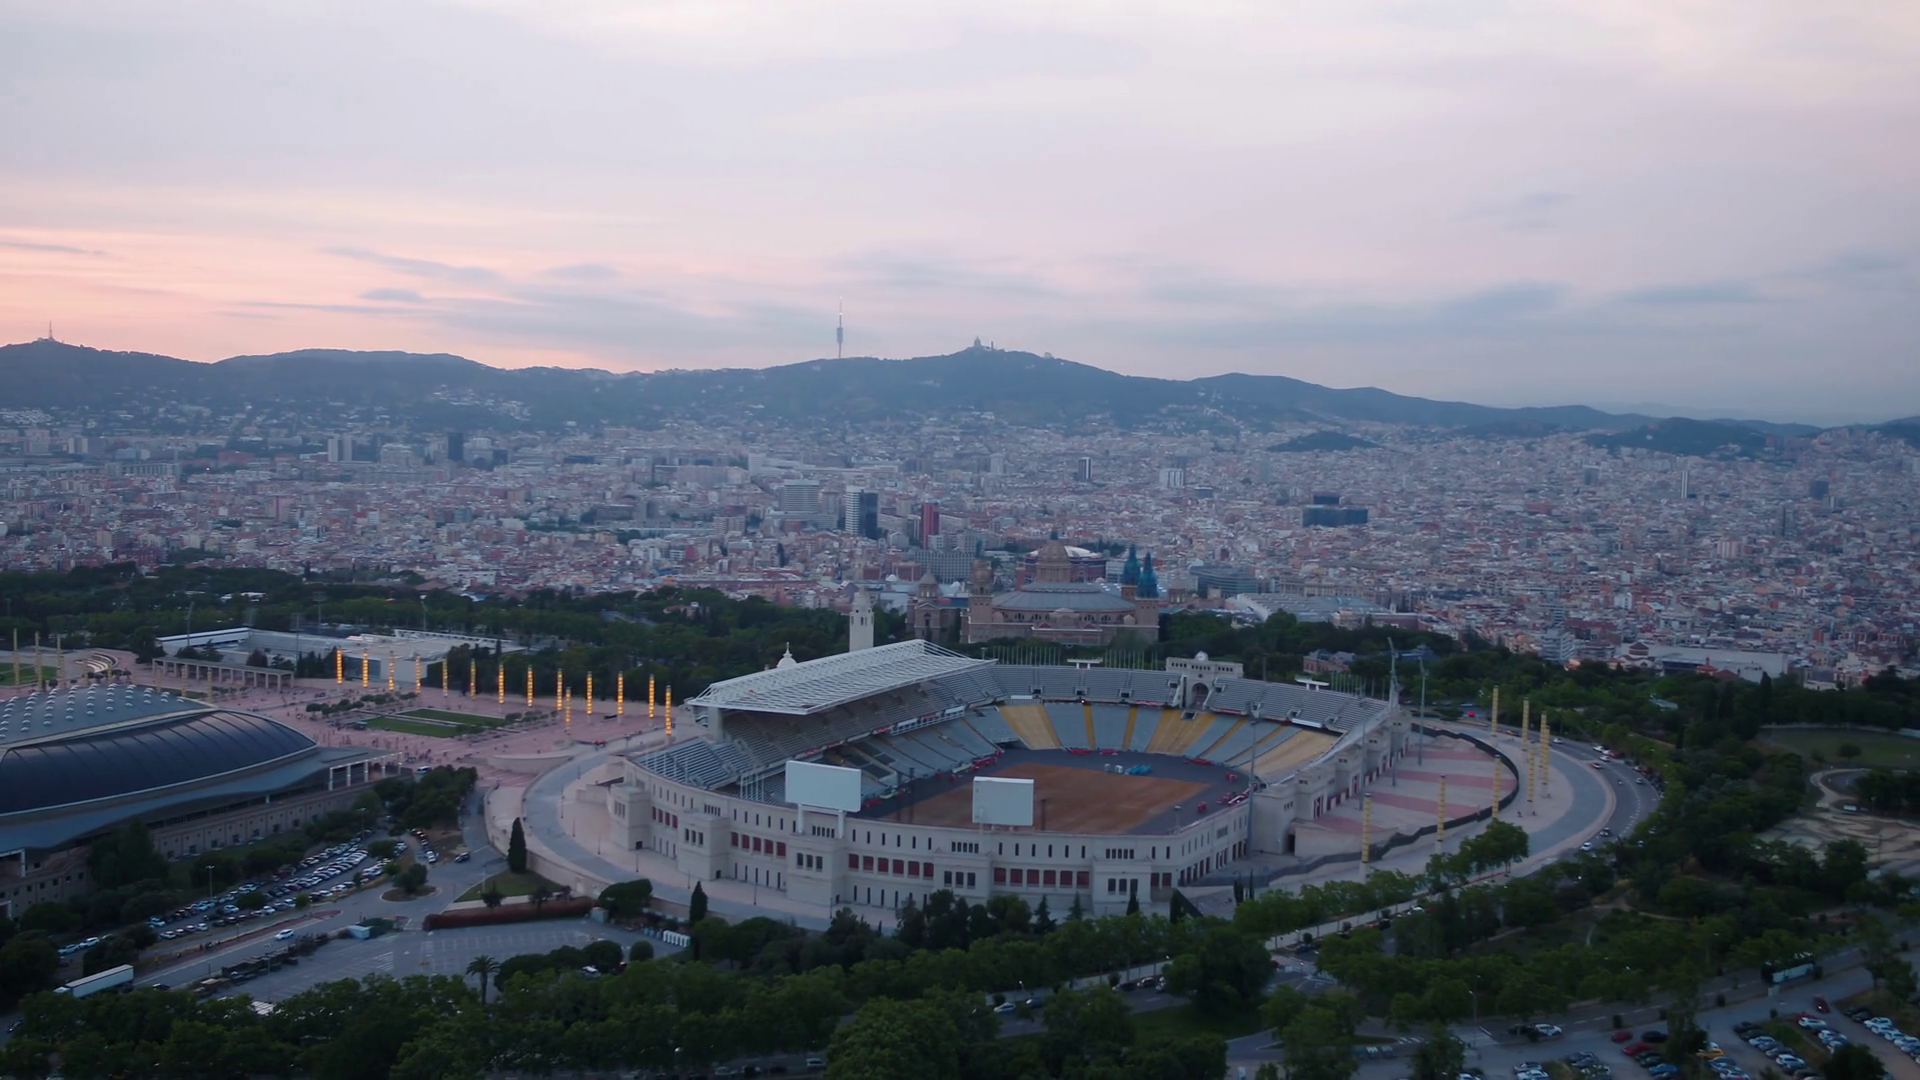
(441, 390)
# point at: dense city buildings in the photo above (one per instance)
(1795, 554)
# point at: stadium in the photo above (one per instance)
(78, 763)
(1142, 781)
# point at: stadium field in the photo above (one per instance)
(1078, 799)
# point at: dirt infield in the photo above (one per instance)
(1078, 800)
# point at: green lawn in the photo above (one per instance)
(26, 674)
(1876, 750)
(419, 727)
(468, 719)
(510, 884)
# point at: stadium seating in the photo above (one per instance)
(1281, 701)
(1233, 748)
(1166, 733)
(991, 726)
(1287, 754)
(995, 706)
(964, 735)
(1207, 747)
(1110, 726)
(1032, 726)
(700, 762)
(1069, 720)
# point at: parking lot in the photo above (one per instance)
(443, 952)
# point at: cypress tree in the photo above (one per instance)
(517, 849)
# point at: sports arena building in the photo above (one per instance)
(76, 764)
(1144, 780)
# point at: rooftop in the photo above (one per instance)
(818, 685)
(59, 713)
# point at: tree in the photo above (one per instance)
(1133, 902)
(124, 857)
(51, 917)
(1085, 1025)
(1854, 1061)
(1849, 750)
(1318, 1046)
(697, 904)
(626, 899)
(382, 849)
(483, 967)
(1282, 1007)
(1684, 1036)
(1441, 1057)
(413, 879)
(1043, 923)
(539, 897)
(1224, 974)
(517, 848)
(889, 1039)
(1881, 957)
(492, 897)
(27, 964)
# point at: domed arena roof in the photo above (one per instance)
(121, 760)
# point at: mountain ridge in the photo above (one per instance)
(1019, 387)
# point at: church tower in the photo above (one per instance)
(860, 622)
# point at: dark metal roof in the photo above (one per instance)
(115, 762)
(42, 832)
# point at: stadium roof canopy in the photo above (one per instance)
(818, 685)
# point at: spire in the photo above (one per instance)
(1130, 573)
(1149, 581)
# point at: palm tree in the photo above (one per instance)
(483, 966)
(539, 897)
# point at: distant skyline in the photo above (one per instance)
(1556, 203)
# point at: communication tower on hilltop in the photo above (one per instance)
(840, 332)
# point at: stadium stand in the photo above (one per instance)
(1302, 747)
(963, 734)
(1234, 747)
(1110, 725)
(1069, 723)
(1140, 734)
(1166, 733)
(708, 764)
(990, 725)
(1032, 726)
(1207, 748)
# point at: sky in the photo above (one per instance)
(1713, 205)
